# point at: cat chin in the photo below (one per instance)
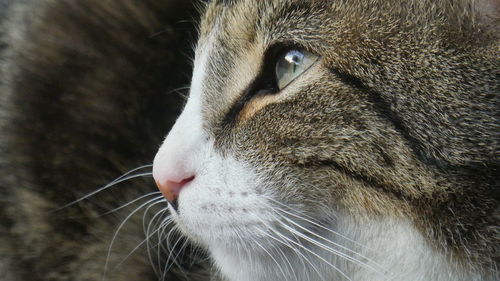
(389, 249)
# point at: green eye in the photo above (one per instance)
(291, 65)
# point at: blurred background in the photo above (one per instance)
(88, 90)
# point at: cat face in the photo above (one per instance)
(312, 127)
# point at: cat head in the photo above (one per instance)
(307, 117)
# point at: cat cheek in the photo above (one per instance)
(254, 106)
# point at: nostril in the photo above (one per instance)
(185, 181)
(171, 189)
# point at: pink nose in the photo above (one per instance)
(171, 189)
(172, 172)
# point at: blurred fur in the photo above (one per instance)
(87, 90)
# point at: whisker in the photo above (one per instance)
(162, 211)
(132, 171)
(152, 201)
(327, 240)
(114, 182)
(130, 203)
(300, 255)
(175, 262)
(139, 245)
(180, 91)
(324, 247)
(153, 224)
(313, 221)
(301, 259)
(282, 253)
(168, 264)
(297, 251)
(272, 257)
(161, 229)
(164, 246)
(306, 249)
(284, 257)
(315, 254)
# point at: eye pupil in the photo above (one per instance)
(295, 58)
(291, 65)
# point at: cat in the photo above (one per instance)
(321, 140)
(341, 140)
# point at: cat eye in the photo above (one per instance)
(282, 64)
(291, 64)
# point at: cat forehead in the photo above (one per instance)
(243, 16)
(461, 11)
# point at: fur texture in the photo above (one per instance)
(392, 137)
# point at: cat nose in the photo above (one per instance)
(171, 189)
(171, 176)
(173, 167)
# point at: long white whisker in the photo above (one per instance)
(131, 202)
(151, 224)
(152, 201)
(314, 254)
(146, 229)
(132, 171)
(297, 251)
(103, 188)
(137, 247)
(272, 257)
(325, 247)
(168, 265)
(312, 221)
(282, 253)
(284, 257)
(301, 259)
(175, 262)
(299, 254)
(329, 241)
(164, 246)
